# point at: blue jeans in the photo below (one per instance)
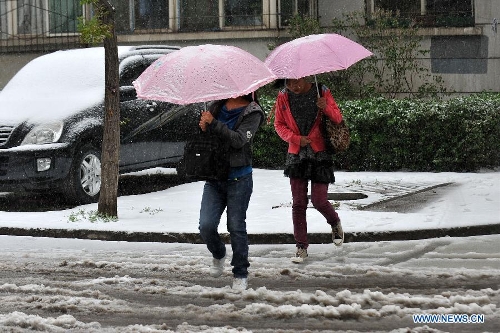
(235, 196)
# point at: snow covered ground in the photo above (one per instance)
(70, 285)
(471, 199)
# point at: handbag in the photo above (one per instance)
(206, 157)
(337, 136)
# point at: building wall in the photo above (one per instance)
(10, 64)
(468, 59)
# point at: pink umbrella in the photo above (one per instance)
(202, 73)
(314, 54)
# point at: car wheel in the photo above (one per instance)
(85, 176)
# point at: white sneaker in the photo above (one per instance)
(240, 283)
(217, 267)
(337, 234)
(300, 255)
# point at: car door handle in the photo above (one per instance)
(151, 106)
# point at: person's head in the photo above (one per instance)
(298, 86)
(252, 97)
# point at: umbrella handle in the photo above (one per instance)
(317, 88)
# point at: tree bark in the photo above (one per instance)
(111, 135)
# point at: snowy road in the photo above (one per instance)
(63, 285)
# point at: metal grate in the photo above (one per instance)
(4, 165)
(5, 132)
(432, 13)
(49, 25)
(39, 25)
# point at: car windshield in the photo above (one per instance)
(55, 86)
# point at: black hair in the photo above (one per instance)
(252, 97)
(279, 84)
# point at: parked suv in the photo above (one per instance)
(51, 123)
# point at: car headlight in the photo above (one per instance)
(44, 133)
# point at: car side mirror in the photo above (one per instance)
(127, 93)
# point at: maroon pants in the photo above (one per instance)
(319, 199)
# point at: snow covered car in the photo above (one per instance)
(51, 123)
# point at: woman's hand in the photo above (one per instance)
(321, 103)
(304, 141)
(205, 119)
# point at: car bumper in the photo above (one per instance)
(18, 167)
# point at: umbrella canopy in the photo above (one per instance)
(202, 73)
(314, 54)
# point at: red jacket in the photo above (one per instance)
(287, 129)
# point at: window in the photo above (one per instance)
(213, 15)
(29, 17)
(53, 16)
(63, 15)
(199, 15)
(242, 13)
(141, 15)
(459, 54)
(454, 13)
(435, 13)
(3, 20)
(151, 14)
(123, 15)
(36, 21)
(289, 8)
(29, 25)
(406, 8)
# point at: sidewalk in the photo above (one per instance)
(391, 206)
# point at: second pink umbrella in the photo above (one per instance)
(314, 54)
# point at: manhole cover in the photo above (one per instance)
(345, 196)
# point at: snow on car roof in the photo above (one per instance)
(55, 85)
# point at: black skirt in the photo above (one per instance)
(317, 171)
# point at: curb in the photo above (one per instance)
(279, 238)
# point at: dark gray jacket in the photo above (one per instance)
(241, 137)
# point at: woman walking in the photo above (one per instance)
(235, 120)
(298, 122)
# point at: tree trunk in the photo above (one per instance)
(111, 136)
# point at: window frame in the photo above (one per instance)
(66, 33)
(430, 19)
(133, 18)
(313, 10)
(224, 26)
(4, 20)
(10, 20)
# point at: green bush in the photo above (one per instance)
(461, 134)
(269, 151)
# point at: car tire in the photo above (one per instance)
(84, 180)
